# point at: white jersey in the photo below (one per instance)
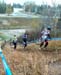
(45, 33)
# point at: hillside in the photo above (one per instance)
(34, 61)
(18, 22)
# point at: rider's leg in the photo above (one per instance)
(15, 44)
(25, 43)
(46, 43)
(41, 44)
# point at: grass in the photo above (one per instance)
(33, 61)
(13, 23)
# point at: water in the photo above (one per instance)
(36, 41)
(56, 39)
(22, 14)
(7, 34)
(18, 32)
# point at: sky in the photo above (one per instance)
(38, 2)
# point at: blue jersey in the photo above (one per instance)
(24, 36)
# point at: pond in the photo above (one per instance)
(6, 34)
(56, 39)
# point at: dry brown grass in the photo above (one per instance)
(1, 68)
(15, 23)
(32, 61)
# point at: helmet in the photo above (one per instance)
(49, 28)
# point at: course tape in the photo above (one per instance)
(5, 64)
